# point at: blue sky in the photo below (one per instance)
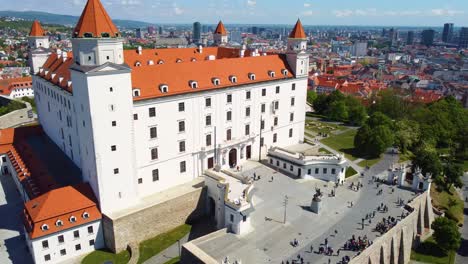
(311, 12)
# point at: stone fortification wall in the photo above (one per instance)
(149, 222)
(395, 245)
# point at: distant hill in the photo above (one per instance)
(48, 18)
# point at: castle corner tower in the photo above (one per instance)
(104, 106)
(220, 35)
(297, 57)
(38, 43)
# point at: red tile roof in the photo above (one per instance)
(298, 31)
(220, 29)
(36, 30)
(177, 67)
(8, 85)
(60, 204)
(96, 21)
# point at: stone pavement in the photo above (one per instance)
(13, 248)
(462, 254)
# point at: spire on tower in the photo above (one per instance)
(220, 29)
(36, 29)
(95, 22)
(298, 31)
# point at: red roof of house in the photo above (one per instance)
(298, 31)
(8, 85)
(220, 29)
(62, 204)
(96, 21)
(36, 30)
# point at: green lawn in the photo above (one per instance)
(343, 142)
(350, 171)
(429, 252)
(451, 203)
(323, 127)
(102, 256)
(324, 150)
(157, 244)
(175, 260)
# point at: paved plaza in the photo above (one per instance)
(13, 247)
(270, 238)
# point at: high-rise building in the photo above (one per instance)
(196, 32)
(359, 49)
(160, 30)
(410, 38)
(255, 30)
(235, 36)
(151, 30)
(139, 33)
(463, 40)
(447, 33)
(393, 36)
(427, 37)
(384, 32)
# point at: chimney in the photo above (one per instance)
(200, 49)
(139, 50)
(64, 55)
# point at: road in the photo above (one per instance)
(462, 254)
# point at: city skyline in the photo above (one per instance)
(334, 12)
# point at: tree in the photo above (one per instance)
(391, 104)
(453, 173)
(372, 142)
(446, 233)
(406, 134)
(321, 103)
(311, 96)
(426, 158)
(379, 119)
(356, 111)
(338, 111)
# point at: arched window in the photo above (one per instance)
(216, 81)
(59, 223)
(178, 61)
(285, 72)
(44, 227)
(233, 79)
(72, 219)
(137, 64)
(136, 92)
(160, 62)
(194, 84)
(164, 88)
(252, 76)
(272, 74)
(85, 215)
(150, 62)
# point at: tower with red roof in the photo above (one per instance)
(220, 35)
(38, 43)
(104, 104)
(297, 57)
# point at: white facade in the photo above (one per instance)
(21, 92)
(38, 51)
(63, 246)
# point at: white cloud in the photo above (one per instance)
(77, 2)
(446, 12)
(177, 10)
(398, 13)
(307, 5)
(251, 3)
(130, 2)
(307, 13)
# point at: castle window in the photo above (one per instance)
(44, 227)
(136, 92)
(182, 167)
(116, 171)
(111, 89)
(85, 215)
(178, 61)
(164, 88)
(72, 219)
(140, 180)
(285, 72)
(137, 64)
(154, 154)
(45, 244)
(233, 79)
(252, 76)
(155, 173)
(160, 62)
(59, 223)
(88, 35)
(105, 35)
(152, 112)
(271, 74)
(193, 60)
(193, 84)
(216, 81)
(113, 148)
(150, 62)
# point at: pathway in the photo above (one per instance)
(462, 254)
(169, 253)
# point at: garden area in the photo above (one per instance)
(148, 248)
(448, 201)
(430, 252)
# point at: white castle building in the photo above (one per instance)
(140, 121)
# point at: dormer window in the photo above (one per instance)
(193, 60)
(105, 35)
(44, 227)
(160, 62)
(233, 79)
(88, 35)
(136, 92)
(164, 88)
(178, 61)
(194, 84)
(285, 72)
(59, 223)
(252, 76)
(271, 74)
(150, 62)
(216, 81)
(137, 64)
(72, 219)
(85, 215)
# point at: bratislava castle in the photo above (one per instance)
(137, 122)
